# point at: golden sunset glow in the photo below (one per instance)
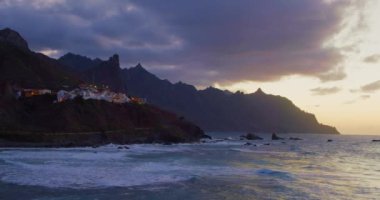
(324, 55)
(351, 110)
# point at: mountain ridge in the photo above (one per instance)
(214, 109)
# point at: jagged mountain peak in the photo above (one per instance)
(83, 63)
(73, 55)
(114, 59)
(259, 91)
(10, 36)
(139, 67)
(210, 88)
(68, 54)
(140, 71)
(112, 62)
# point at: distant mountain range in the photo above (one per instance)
(212, 109)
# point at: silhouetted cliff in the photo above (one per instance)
(212, 109)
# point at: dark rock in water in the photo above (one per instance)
(294, 138)
(167, 143)
(375, 140)
(329, 140)
(266, 144)
(250, 136)
(248, 144)
(283, 142)
(119, 147)
(204, 136)
(126, 147)
(275, 137)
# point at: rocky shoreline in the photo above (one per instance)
(90, 139)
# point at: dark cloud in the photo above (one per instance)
(335, 74)
(325, 91)
(361, 98)
(371, 87)
(195, 41)
(372, 59)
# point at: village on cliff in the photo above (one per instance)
(84, 91)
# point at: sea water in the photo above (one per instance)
(312, 168)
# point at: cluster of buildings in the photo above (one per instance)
(85, 92)
(34, 92)
(88, 92)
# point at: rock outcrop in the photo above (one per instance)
(275, 137)
(250, 136)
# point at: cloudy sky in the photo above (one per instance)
(322, 54)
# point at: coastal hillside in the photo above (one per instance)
(44, 104)
(211, 108)
(39, 120)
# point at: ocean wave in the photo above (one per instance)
(79, 172)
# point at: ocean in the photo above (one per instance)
(312, 168)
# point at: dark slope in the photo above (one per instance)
(79, 122)
(19, 65)
(214, 109)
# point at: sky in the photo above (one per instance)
(324, 55)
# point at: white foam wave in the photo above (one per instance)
(84, 169)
